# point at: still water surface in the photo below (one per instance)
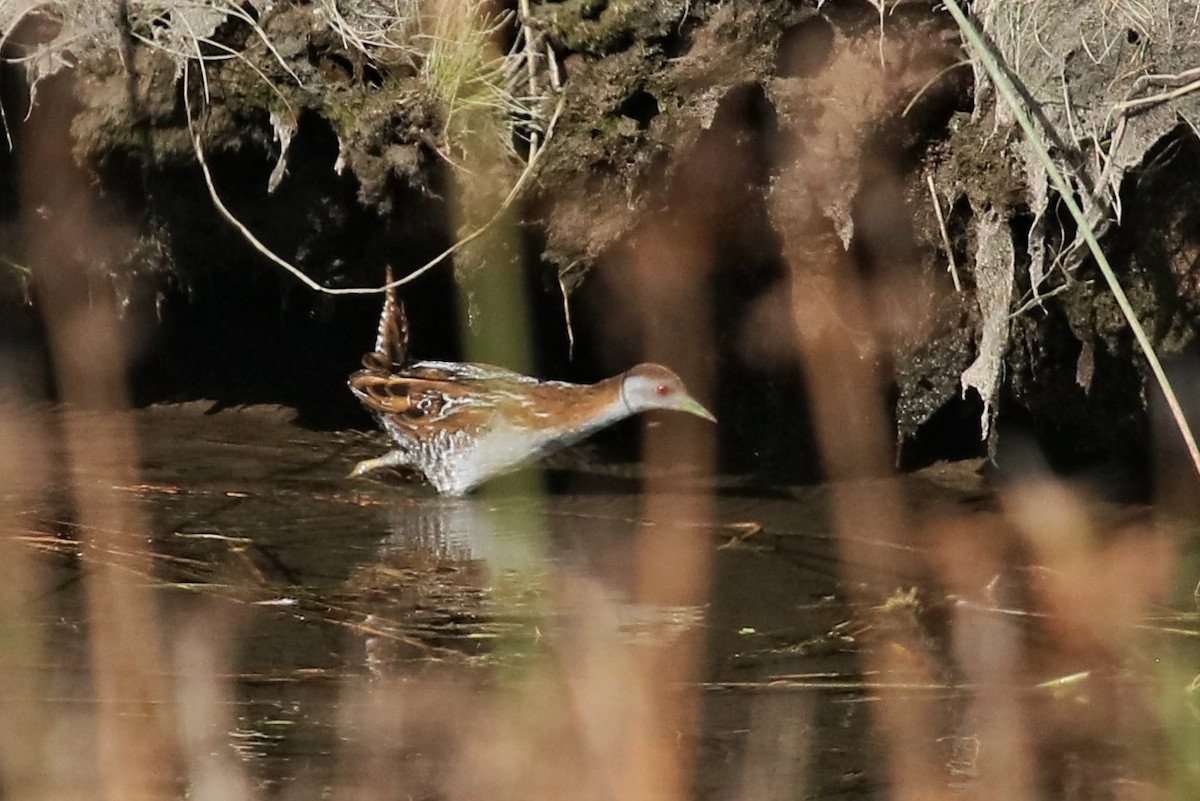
(370, 638)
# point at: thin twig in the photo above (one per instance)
(1036, 299)
(928, 84)
(236, 10)
(530, 54)
(1108, 159)
(297, 273)
(1164, 79)
(199, 61)
(937, 210)
(555, 77)
(1153, 100)
(567, 314)
(1009, 92)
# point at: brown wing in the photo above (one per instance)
(398, 395)
(419, 401)
(458, 396)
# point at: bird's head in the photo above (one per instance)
(652, 386)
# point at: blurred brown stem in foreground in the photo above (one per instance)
(65, 232)
(673, 562)
(841, 322)
(846, 393)
(23, 748)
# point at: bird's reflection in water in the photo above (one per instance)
(478, 576)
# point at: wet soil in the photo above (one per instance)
(778, 151)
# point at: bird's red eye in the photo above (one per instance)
(663, 390)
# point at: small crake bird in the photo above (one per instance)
(462, 424)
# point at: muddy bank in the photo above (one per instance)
(707, 180)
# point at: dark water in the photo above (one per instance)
(371, 639)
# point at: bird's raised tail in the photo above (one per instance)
(391, 341)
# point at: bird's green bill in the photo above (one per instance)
(692, 406)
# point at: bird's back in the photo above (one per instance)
(470, 397)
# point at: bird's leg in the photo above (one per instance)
(396, 458)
